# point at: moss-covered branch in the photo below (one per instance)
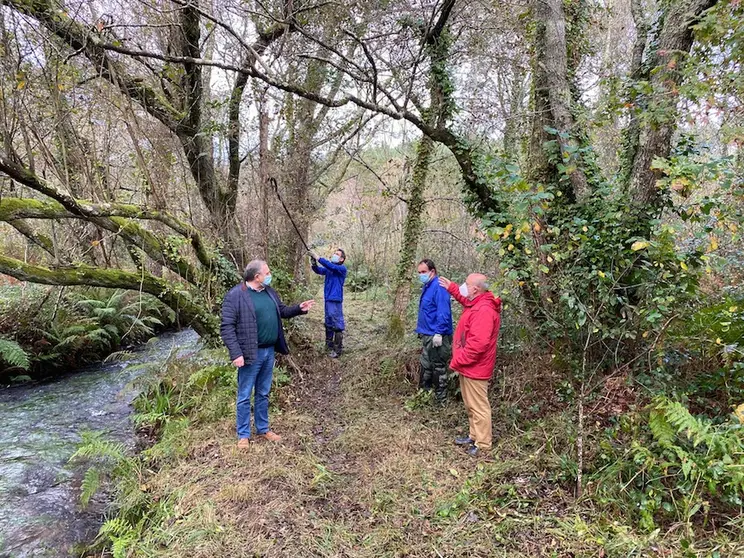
(202, 319)
(110, 217)
(40, 240)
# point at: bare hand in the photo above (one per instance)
(239, 362)
(307, 305)
(444, 282)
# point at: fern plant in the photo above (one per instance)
(104, 458)
(678, 467)
(13, 354)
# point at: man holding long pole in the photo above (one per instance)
(334, 272)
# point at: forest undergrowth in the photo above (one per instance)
(367, 467)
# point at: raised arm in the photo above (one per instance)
(454, 290)
(338, 269)
(317, 269)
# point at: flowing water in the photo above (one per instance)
(40, 512)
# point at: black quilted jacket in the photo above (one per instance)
(238, 329)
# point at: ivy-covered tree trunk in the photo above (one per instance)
(664, 73)
(411, 234)
(437, 42)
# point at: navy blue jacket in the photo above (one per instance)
(435, 312)
(335, 276)
(239, 331)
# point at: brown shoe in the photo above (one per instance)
(244, 443)
(271, 436)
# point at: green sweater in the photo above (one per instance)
(267, 318)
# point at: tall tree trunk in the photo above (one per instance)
(411, 234)
(655, 135)
(264, 173)
(553, 91)
(436, 42)
(304, 119)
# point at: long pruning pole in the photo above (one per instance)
(297, 230)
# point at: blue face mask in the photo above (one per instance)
(267, 281)
(424, 278)
(335, 258)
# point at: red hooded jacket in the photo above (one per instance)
(474, 341)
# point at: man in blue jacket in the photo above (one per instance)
(434, 328)
(333, 292)
(252, 331)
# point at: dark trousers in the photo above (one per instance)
(334, 340)
(434, 362)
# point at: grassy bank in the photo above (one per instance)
(368, 469)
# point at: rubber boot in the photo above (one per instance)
(338, 344)
(329, 338)
(440, 382)
(424, 378)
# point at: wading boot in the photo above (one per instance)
(338, 344)
(329, 339)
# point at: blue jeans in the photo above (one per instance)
(257, 374)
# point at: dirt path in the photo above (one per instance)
(362, 471)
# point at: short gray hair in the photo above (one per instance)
(252, 269)
(482, 284)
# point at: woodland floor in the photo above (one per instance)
(367, 469)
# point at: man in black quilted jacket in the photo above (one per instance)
(252, 331)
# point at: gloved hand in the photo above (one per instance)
(313, 261)
(314, 255)
(436, 341)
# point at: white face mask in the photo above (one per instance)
(464, 290)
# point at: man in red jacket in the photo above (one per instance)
(474, 355)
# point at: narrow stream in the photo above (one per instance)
(40, 513)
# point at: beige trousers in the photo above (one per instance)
(475, 396)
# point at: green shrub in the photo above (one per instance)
(675, 467)
(359, 279)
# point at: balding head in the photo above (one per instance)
(477, 283)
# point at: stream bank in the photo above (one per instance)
(40, 513)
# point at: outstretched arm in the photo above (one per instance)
(287, 312)
(454, 290)
(339, 269)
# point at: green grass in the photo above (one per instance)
(368, 469)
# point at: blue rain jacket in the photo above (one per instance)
(435, 313)
(335, 277)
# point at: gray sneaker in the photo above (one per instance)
(473, 451)
(464, 441)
